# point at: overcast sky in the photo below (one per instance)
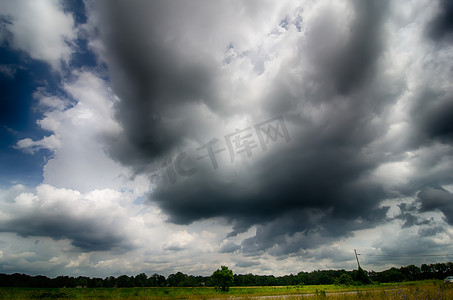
(270, 136)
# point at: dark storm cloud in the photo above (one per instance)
(333, 253)
(230, 247)
(296, 231)
(314, 186)
(354, 63)
(437, 198)
(432, 115)
(408, 215)
(247, 263)
(411, 220)
(320, 196)
(441, 27)
(290, 179)
(159, 71)
(314, 190)
(174, 248)
(86, 234)
(427, 232)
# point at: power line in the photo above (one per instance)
(406, 255)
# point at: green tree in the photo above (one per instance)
(411, 272)
(156, 280)
(223, 278)
(176, 279)
(125, 281)
(82, 281)
(344, 279)
(362, 276)
(140, 280)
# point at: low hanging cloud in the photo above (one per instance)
(348, 92)
(68, 214)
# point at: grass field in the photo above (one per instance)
(407, 290)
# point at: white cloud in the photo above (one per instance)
(29, 146)
(49, 102)
(41, 29)
(78, 159)
(55, 230)
(179, 241)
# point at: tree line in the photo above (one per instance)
(179, 279)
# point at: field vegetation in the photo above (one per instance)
(406, 273)
(434, 289)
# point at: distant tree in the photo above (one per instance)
(426, 271)
(411, 272)
(440, 269)
(449, 267)
(97, 282)
(110, 281)
(362, 276)
(140, 280)
(157, 280)
(82, 281)
(392, 275)
(177, 279)
(125, 281)
(344, 279)
(302, 278)
(189, 281)
(223, 278)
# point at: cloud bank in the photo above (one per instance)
(257, 133)
(343, 89)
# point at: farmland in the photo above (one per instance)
(432, 289)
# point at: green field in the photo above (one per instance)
(406, 290)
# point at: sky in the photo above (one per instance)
(272, 137)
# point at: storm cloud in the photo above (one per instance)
(272, 136)
(49, 213)
(437, 198)
(339, 92)
(441, 26)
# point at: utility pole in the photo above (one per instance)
(357, 258)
